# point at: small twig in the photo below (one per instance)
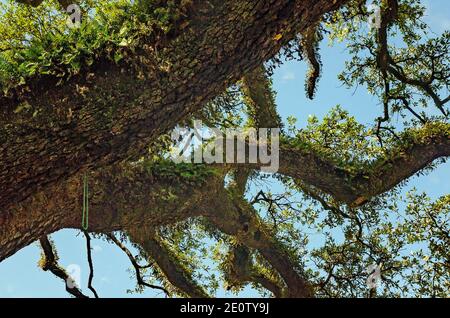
(136, 266)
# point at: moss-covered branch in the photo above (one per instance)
(171, 267)
(112, 111)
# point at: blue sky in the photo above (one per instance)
(21, 277)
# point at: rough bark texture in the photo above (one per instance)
(241, 271)
(120, 196)
(260, 99)
(350, 187)
(113, 111)
(168, 263)
(120, 199)
(142, 200)
(50, 263)
(356, 187)
(237, 218)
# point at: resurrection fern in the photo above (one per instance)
(189, 173)
(36, 41)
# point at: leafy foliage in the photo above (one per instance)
(36, 41)
(332, 244)
(418, 64)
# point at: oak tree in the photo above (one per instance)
(98, 103)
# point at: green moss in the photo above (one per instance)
(182, 172)
(109, 30)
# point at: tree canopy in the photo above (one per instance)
(99, 101)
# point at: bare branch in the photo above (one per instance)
(91, 266)
(168, 263)
(137, 267)
(387, 65)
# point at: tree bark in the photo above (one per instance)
(417, 149)
(112, 112)
(168, 263)
(120, 199)
(137, 201)
(121, 195)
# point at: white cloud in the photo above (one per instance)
(105, 280)
(97, 248)
(288, 76)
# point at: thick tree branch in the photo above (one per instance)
(50, 263)
(120, 198)
(417, 149)
(234, 216)
(241, 271)
(139, 203)
(310, 45)
(261, 109)
(112, 112)
(168, 263)
(61, 205)
(259, 99)
(356, 187)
